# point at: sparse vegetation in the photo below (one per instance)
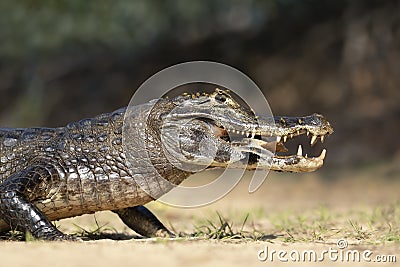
(322, 225)
(223, 229)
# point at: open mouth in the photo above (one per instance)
(274, 139)
(313, 139)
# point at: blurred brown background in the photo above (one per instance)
(61, 61)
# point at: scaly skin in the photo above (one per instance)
(53, 173)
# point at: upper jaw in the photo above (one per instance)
(289, 127)
(282, 127)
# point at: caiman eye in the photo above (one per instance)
(220, 98)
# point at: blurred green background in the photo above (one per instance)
(64, 60)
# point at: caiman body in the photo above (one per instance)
(53, 173)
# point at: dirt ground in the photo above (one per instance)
(345, 193)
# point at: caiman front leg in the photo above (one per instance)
(17, 209)
(143, 222)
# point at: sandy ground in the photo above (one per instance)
(133, 253)
(364, 188)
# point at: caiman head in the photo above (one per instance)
(214, 130)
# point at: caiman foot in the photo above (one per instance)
(164, 233)
(143, 222)
(53, 234)
(17, 208)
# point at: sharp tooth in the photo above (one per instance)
(323, 154)
(253, 134)
(291, 135)
(299, 151)
(237, 132)
(313, 139)
(298, 132)
(284, 138)
(322, 138)
(308, 133)
(278, 138)
(242, 133)
(306, 156)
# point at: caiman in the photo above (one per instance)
(54, 173)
